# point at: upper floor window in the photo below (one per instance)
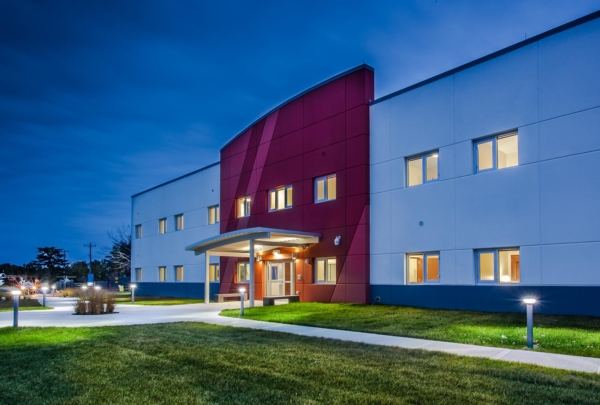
(280, 198)
(162, 225)
(162, 273)
(214, 272)
(179, 222)
(497, 152)
(214, 214)
(178, 273)
(498, 265)
(243, 207)
(138, 231)
(325, 188)
(423, 267)
(422, 168)
(138, 274)
(325, 270)
(243, 272)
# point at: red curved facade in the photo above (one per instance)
(321, 132)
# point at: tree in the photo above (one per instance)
(118, 256)
(51, 260)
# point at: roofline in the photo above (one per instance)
(178, 178)
(528, 41)
(316, 86)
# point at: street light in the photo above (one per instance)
(44, 289)
(242, 293)
(132, 288)
(16, 294)
(529, 302)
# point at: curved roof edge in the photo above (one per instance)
(178, 178)
(316, 86)
(553, 31)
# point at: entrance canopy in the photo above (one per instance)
(237, 243)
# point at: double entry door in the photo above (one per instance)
(280, 278)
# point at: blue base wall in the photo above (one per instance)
(178, 290)
(552, 300)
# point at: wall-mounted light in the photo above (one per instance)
(258, 258)
(337, 240)
(307, 261)
(276, 252)
(294, 255)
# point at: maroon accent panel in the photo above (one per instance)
(323, 132)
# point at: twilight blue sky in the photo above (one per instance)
(103, 99)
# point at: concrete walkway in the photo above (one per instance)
(137, 314)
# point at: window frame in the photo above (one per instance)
(326, 273)
(325, 188)
(214, 272)
(164, 274)
(496, 252)
(177, 227)
(247, 206)
(247, 272)
(286, 204)
(176, 268)
(425, 256)
(423, 157)
(494, 140)
(217, 212)
(160, 221)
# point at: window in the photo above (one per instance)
(280, 198)
(243, 205)
(138, 274)
(213, 272)
(325, 188)
(138, 231)
(422, 168)
(162, 225)
(243, 272)
(423, 267)
(179, 222)
(162, 273)
(325, 270)
(498, 152)
(179, 273)
(214, 215)
(499, 265)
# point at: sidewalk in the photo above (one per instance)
(138, 315)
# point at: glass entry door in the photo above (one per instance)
(279, 278)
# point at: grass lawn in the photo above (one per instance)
(157, 300)
(557, 334)
(194, 363)
(24, 305)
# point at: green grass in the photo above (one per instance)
(24, 305)
(193, 363)
(557, 334)
(157, 300)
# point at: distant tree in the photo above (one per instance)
(51, 261)
(78, 270)
(118, 255)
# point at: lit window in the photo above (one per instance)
(138, 231)
(138, 274)
(179, 273)
(162, 273)
(243, 272)
(280, 198)
(423, 267)
(179, 222)
(422, 168)
(213, 272)
(499, 265)
(325, 270)
(214, 215)
(498, 152)
(162, 225)
(243, 207)
(325, 188)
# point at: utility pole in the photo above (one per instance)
(90, 246)
(64, 252)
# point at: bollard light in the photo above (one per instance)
(242, 292)
(529, 302)
(16, 294)
(132, 288)
(44, 289)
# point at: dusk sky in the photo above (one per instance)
(100, 100)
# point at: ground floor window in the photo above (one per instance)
(243, 272)
(162, 273)
(325, 269)
(213, 272)
(423, 267)
(498, 265)
(138, 274)
(179, 273)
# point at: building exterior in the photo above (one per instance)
(470, 190)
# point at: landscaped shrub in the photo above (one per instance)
(92, 302)
(80, 307)
(111, 303)
(70, 292)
